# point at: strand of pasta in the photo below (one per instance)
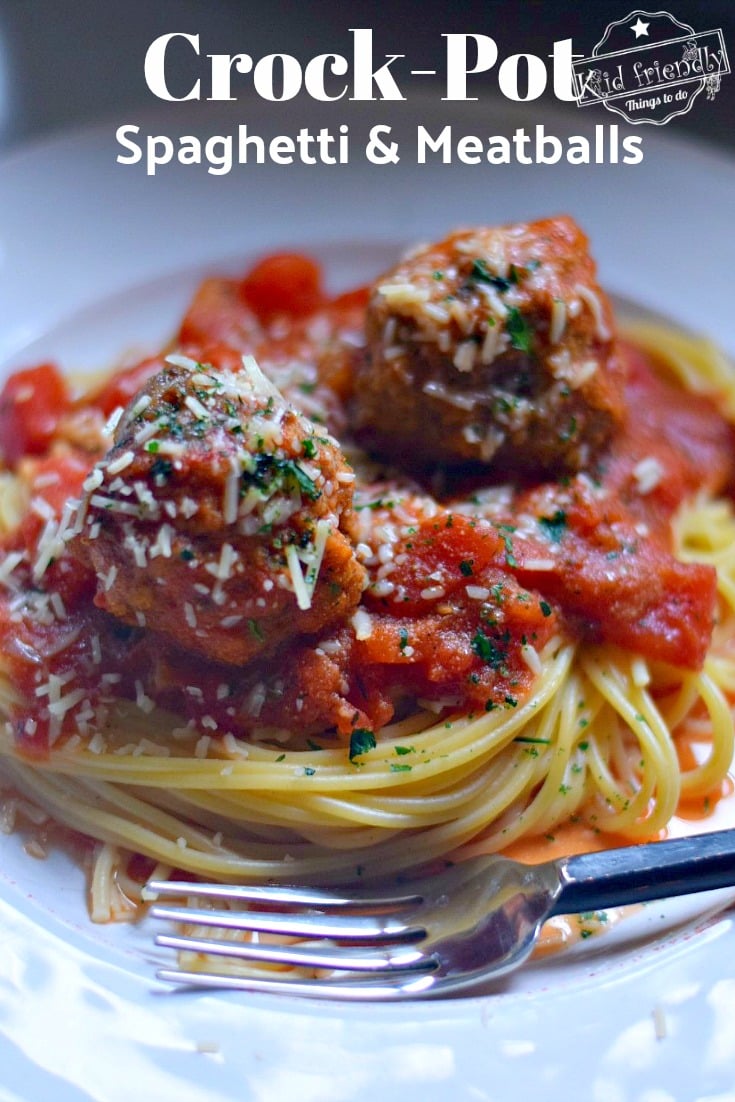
(632, 809)
(438, 751)
(488, 799)
(531, 792)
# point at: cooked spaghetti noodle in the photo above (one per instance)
(572, 724)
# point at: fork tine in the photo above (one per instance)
(283, 896)
(305, 956)
(307, 925)
(371, 989)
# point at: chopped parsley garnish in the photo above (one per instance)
(379, 503)
(308, 447)
(269, 473)
(487, 651)
(161, 470)
(403, 640)
(309, 770)
(395, 767)
(545, 607)
(465, 568)
(361, 740)
(402, 750)
(481, 274)
(504, 405)
(555, 526)
(519, 331)
(570, 432)
(292, 470)
(255, 630)
(505, 531)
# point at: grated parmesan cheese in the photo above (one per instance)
(362, 622)
(647, 474)
(432, 593)
(403, 294)
(539, 564)
(231, 493)
(299, 586)
(121, 462)
(142, 403)
(202, 747)
(590, 299)
(464, 356)
(113, 421)
(143, 702)
(558, 320)
(200, 412)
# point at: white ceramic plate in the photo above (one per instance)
(96, 257)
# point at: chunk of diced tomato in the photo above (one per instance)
(283, 284)
(31, 404)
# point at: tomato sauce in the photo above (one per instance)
(473, 600)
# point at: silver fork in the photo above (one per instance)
(475, 921)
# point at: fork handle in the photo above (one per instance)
(653, 870)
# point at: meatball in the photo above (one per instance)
(220, 517)
(493, 346)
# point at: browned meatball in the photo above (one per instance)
(220, 515)
(494, 346)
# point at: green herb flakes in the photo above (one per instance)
(554, 526)
(519, 331)
(487, 651)
(361, 740)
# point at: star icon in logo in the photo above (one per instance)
(639, 27)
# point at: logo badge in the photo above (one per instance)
(650, 67)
